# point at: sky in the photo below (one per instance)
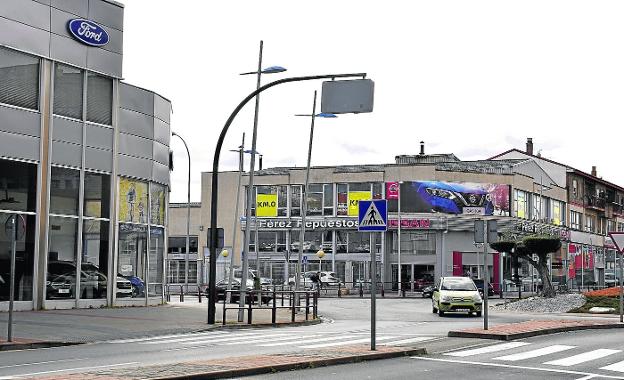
(470, 78)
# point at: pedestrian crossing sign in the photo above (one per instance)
(373, 215)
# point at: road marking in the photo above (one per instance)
(617, 367)
(136, 340)
(231, 338)
(535, 353)
(325, 339)
(46, 362)
(75, 369)
(274, 339)
(584, 357)
(347, 342)
(501, 365)
(411, 340)
(487, 349)
(195, 338)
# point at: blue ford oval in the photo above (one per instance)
(88, 32)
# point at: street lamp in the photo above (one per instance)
(250, 189)
(214, 185)
(225, 254)
(304, 201)
(188, 215)
(320, 255)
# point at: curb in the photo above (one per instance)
(49, 344)
(299, 365)
(528, 334)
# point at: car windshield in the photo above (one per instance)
(460, 285)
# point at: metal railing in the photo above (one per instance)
(272, 295)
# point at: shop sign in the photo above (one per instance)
(336, 223)
(88, 32)
(266, 205)
(542, 229)
(410, 223)
(392, 190)
(354, 199)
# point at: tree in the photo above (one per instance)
(541, 247)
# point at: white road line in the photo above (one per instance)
(347, 342)
(487, 349)
(411, 340)
(233, 338)
(46, 362)
(617, 367)
(75, 369)
(535, 353)
(501, 365)
(136, 340)
(195, 338)
(584, 357)
(325, 339)
(262, 340)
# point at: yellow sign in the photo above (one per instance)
(266, 205)
(132, 201)
(354, 198)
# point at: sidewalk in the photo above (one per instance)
(246, 365)
(57, 327)
(531, 328)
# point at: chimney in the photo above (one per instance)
(422, 148)
(593, 172)
(529, 146)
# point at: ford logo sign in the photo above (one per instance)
(88, 32)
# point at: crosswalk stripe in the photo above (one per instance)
(487, 349)
(232, 338)
(195, 338)
(347, 342)
(309, 341)
(584, 357)
(617, 367)
(136, 340)
(411, 340)
(535, 353)
(263, 340)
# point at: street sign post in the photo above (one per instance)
(373, 217)
(618, 240)
(486, 231)
(15, 226)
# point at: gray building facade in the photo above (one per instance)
(84, 160)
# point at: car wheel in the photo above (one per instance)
(433, 308)
(478, 313)
(440, 313)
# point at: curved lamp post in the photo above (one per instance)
(212, 291)
(188, 215)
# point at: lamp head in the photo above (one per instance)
(320, 254)
(326, 115)
(225, 253)
(273, 70)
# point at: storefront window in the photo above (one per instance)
(314, 199)
(95, 260)
(64, 190)
(132, 201)
(521, 204)
(132, 256)
(158, 204)
(62, 270)
(97, 195)
(295, 200)
(155, 273)
(342, 199)
(266, 241)
(24, 257)
(19, 79)
(18, 186)
(68, 91)
(99, 99)
(415, 243)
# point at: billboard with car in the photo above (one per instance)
(453, 198)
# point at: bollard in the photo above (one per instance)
(249, 311)
(361, 291)
(199, 295)
(383, 292)
(292, 305)
(402, 291)
(339, 292)
(307, 306)
(224, 307)
(181, 293)
(274, 309)
(168, 294)
(315, 307)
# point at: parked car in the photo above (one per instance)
(328, 279)
(222, 286)
(425, 280)
(427, 291)
(610, 280)
(479, 283)
(456, 294)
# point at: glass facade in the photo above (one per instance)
(19, 79)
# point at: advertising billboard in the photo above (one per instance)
(453, 198)
(132, 201)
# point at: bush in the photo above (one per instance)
(598, 301)
(607, 292)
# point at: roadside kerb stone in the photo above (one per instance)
(247, 365)
(531, 328)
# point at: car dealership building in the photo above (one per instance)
(441, 197)
(84, 161)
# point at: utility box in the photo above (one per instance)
(347, 96)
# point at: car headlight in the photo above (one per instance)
(440, 193)
(477, 298)
(446, 298)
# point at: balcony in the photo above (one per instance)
(595, 202)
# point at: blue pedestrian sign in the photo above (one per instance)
(304, 260)
(373, 215)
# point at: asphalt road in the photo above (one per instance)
(400, 322)
(583, 355)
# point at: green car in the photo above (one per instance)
(456, 294)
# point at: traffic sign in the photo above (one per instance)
(618, 240)
(373, 215)
(304, 259)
